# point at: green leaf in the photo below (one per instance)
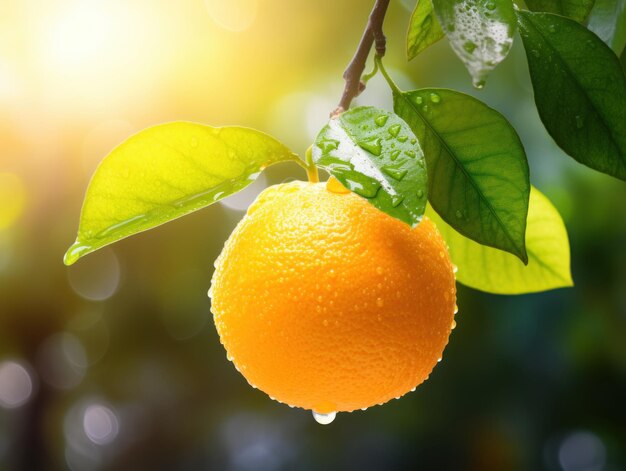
(374, 153)
(424, 29)
(608, 21)
(580, 90)
(165, 172)
(480, 32)
(495, 271)
(477, 168)
(575, 9)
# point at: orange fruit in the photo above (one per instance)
(326, 303)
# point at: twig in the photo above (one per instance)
(373, 34)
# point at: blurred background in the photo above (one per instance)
(115, 363)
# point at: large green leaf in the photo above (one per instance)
(477, 168)
(376, 155)
(480, 32)
(424, 29)
(165, 172)
(495, 271)
(580, 90)
(575, 9)
(608, 21)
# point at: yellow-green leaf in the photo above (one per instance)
(424, 29)
(165, 172)
(495, 271)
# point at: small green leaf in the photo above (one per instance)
(165, 172)
(480, 32)
(608, 21)
(495, 271)
(477, 168)
(580, 90)
(424, 29)
(376, 155)
(575, 9)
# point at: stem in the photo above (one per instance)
(311, 169)
(373, 33)
(392, 84)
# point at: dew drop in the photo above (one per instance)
(394, 130)
(435, 98)
(380, 302)
(324, 419)
(439, 360)
(325, 322)
(410, 153)
(328, 144)
(394, 173)
(455, 269)
(403, 138)
(552, 28)
(453, 325)
(381, 120)
(372, 145)
(458, 214)
(491, 6)
(420, 193)
(396, 200)
(413, 390)
(379, 270)
(418, 100)
(363, 408)
(469, 46)
(394, 154)
(456, 309)
(367, 190)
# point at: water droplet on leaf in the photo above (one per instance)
(395, 173)
(372, 145)
(394, 130)
(381, 120)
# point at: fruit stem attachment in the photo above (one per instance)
(373, 34)
(379, 62)
(311, 169)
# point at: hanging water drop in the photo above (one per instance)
(453, 325)
(478, 84)
(324, 419)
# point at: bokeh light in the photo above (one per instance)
(16, 384)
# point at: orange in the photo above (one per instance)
(326, 303)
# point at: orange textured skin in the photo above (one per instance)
(326, 303)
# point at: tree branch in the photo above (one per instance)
(373, 34)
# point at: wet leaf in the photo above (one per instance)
(477, 167)
(480, 32)
(165, 172)
(495, 271)
(575, 9)
(580, 90)
(375, 154)
(424, 29)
